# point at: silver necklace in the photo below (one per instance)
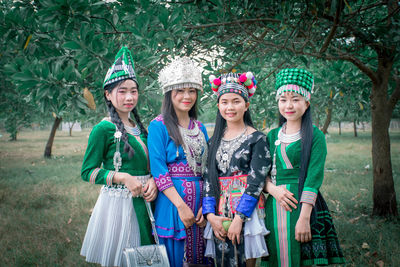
(133, 130)
(195, 147)
(287, 138)
(226, 149)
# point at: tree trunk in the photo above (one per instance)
(355, 127)
(384, 195)
(49, 145)
(13, 136)
(328, 118)
(340, 128)
(70, 125)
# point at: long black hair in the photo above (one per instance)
(220, 125)
(306, 132)
(117, 120)
(171, 119)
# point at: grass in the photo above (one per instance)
(45, 206)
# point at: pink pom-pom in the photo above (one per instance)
(243, 77)
(217, 82)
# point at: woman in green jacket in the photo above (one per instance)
(117, 158)
(302, 231)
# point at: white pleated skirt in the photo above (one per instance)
(112, 227)
(254, 242)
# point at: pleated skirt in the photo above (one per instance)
(112, 227)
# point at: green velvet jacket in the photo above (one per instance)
(97, 166)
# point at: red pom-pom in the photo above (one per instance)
(217, 82)
(214, 89)
(251, 94)
(250, 86)
(243, 78)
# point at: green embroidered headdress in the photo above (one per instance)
(122, 69)
(294, 80)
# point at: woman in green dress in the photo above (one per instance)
(302, 231)
(117, 157)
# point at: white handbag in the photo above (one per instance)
(150, 255)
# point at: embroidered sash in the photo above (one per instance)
(232, 189)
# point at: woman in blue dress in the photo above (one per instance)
(177, 145)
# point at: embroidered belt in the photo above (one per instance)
(181, 170)
(120, 190)
(232, 189)
(198, 178)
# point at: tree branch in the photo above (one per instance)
(109, 22)
(115, 32)
(231, 23)
(368, 71)
(351, 15)
(271, 72)
(249, 50)
(177, 2)
(333, 29)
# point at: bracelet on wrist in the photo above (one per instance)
(243, 217)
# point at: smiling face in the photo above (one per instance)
(292, 106)
(232, 107)
(183, 99)
(124, 97)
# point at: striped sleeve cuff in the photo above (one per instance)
(308, 196)
(93, 175)
(208, 205)
(163, 182)
(109, 178)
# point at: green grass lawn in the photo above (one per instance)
(45, 206)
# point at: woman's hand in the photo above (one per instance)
(235, 229)
(283, 196)
(130, 182)
(186, 215)
(200, 221)
(150, 190)
(216, 224)
(303, 230)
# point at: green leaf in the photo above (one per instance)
(115, 18)
(72, 45)
(163, 16)
(23, 76)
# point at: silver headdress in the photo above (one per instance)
(180, 73)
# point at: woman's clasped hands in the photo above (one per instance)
(148, 191)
